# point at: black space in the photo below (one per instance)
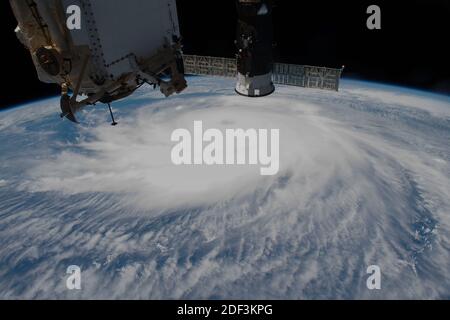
(412, 49)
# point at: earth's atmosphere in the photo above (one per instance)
(364, 180)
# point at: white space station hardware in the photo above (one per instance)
(116, 46)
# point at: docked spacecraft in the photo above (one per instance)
(254, 42)
(118, 46)
(253, 65)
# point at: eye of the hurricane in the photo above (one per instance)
(151, 176)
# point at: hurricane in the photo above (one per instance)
(364, 179)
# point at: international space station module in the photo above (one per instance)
(117, 46)
(100, 51)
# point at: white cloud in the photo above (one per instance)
(356, 187)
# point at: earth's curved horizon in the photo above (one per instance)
(364, 180)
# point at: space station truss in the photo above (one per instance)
(285, 74)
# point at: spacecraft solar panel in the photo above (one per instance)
(285, 74)
(307, 76)
(214, 66)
